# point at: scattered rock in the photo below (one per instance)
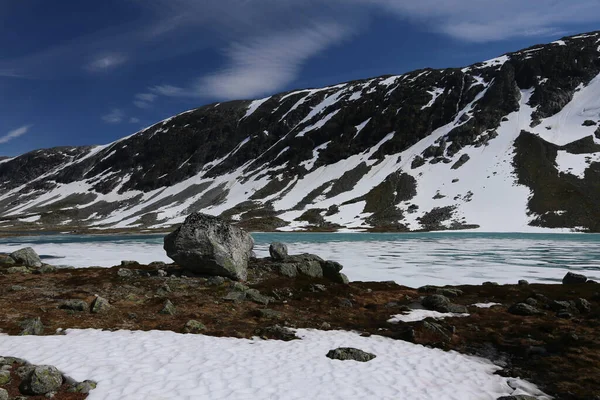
(524, 309)
(523, 282)
(100, 305)
(24, 370)
(74, 305)
(193, 326)
(436, 302)
(589, 122)
(3, 394)
(6, 259)
(572, 279)
(559, 305)
(255, 296)
(449, 292)
(32, 326)
(4, 377)
(240, 287)
(461, 161)
(278, 251)
(17, 288)
(18, 270)
(457, 308)
(83, 387)
(128, 263)
(564, 314)
(168, 308)
(332, 271)
(215, 281)
(347, 303)
(583, 305)
(277, 332)
(288, 270)
(349, 353)
(43, 379)
(162, 273)
(532, 302)
(235, 296)
(269, 314)
(124, 272)
(311, 269)
(27, 257)
(208, 245)
(490, 284)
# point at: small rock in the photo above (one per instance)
(524, 309)
(235, 296)
(83, 387)
(277, 332)
(325, 325)
(346, 303)
(162, 273)
(349, 353)
(559, 305)
(6, 260)
(3, 394)
(47, 269)
(490, 284)
(457, 308)
(311, 269)
(163, 290)
(332, 271)
(124, 272)
(583, 305)
(193, 326)
(128, 263)
(564, 314)
(278, 251)
(215, 281)
(27, 257)
(269, 314)
(532, 302)
(17, 288)
(317, 287)
(157, 264)
(436, 302)
(43, 379)
(449, 292)
(255, 296)
(50, 395)
(74, 305)
(572, 279)
(523, 282)
(4, 377)
(168, 308)
(240, 287)
(289, 270)
(99, 305)
(18, 270)
(32, 326)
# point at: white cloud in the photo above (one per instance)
(134, 120)
(114, 117)
(106, 62)
(149, 97)
(15, 133)
(169, 91)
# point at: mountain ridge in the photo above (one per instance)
(425, 150)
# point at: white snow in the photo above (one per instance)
(435, 93)
(318, 125)
(389, 81)
(361, 127)
(420, 315)
(254, 106)
(308, 164)
(34, 218)
(486, 305)
(165, 365)
(575, 164)
(559, 42)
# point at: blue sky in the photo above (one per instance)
(78, 72)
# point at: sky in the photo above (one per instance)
(89, 72)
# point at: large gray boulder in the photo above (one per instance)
(208, 245)
(27, 257)
(43, 379)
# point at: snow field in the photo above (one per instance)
(164, 365)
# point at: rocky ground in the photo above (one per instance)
(547, 334)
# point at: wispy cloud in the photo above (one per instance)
(134, 120)
(266, 64)
(106, 62)
(144, 100)
(115, 116)
(15, 133)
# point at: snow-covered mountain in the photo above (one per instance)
(510, 144)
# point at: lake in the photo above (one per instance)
(411, 259)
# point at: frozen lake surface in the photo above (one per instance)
(413, 259)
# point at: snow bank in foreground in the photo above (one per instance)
(165, 365)
(419, 315)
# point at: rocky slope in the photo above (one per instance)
(510, 144)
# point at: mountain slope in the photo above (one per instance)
(509, 144)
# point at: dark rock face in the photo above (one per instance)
(208, 245)
(277, 143)
(349, 353)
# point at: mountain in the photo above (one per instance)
(509, 144)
